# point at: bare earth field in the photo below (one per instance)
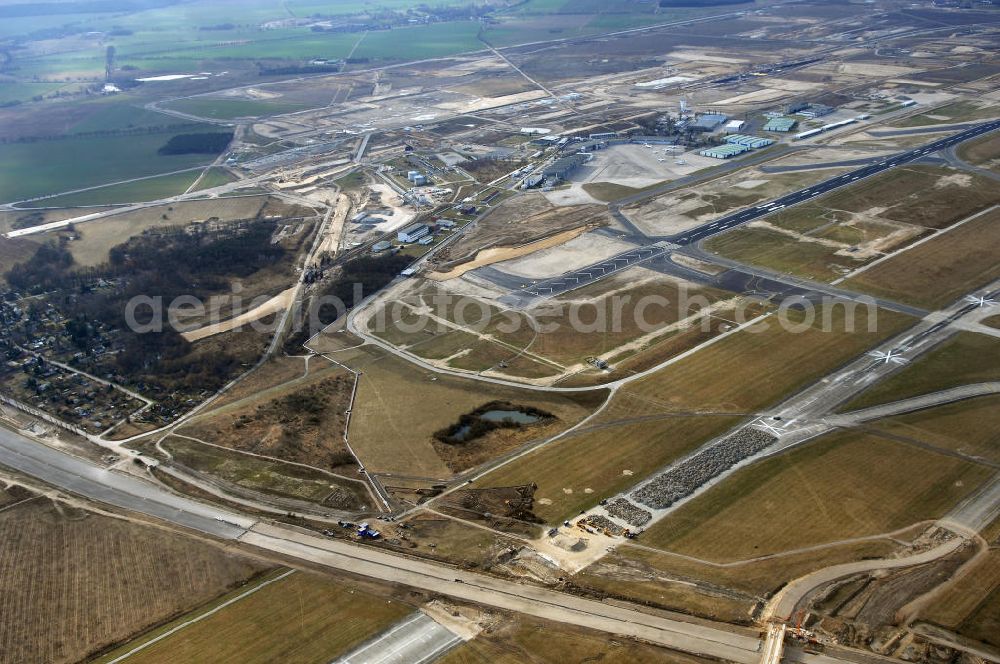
(971, 606)
(658, 578)
(100, 579)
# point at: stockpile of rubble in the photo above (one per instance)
(603, 524)
(683, 479)
(628, 512)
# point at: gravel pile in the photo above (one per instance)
(603, 524)
(626, 511)
(682, 480)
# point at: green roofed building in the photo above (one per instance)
(724, 151)
(781, 124)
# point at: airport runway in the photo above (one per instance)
(415, 640)
(662, 246)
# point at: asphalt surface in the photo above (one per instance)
(662, 246)
(415, 640)
(89, 480)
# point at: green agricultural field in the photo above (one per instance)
(425, 41)
(23, 92)
(214, 177)
(218, 108)
(149, 189)
(77, 162)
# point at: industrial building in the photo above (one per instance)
(735, 125)
(652, 140)
(381, 246)
(816, 111)
(591, 146)
(413, 232)
(533, 181)
(747, 141)
(560, 168)
(708, 122)
(724, 151)
(826, 127)
(780, 124)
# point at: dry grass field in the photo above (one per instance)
(301, 420)
(654, 420)
(275, 373)
(399, 407)
(722, 593)
(971, 606)
(965, 358)
(523, 639)
(303, 618)
(271, 477)
(635, 314)
(969, 427)
(839, 232)
(97, 237)
(75, 582)
(840, 486)
(941, 270)
(753, 368)
(577, 471)
(983, 152)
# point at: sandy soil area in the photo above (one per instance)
(578, 252)
(500, 254)
(574, 195)
(277, 303)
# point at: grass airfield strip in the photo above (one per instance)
(965, 358)
(843, 485)
(679, 407)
